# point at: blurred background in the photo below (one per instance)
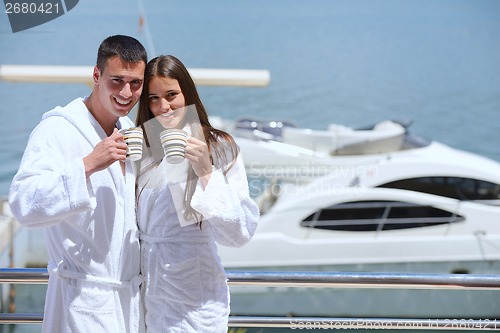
(351, 62)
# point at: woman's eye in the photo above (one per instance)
(171, 96)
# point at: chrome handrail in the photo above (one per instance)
(321, 280)
(24, 275)
(366, 280)
(318, 322)
(308, 323)
(313, 279)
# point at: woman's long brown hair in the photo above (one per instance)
(223, 148)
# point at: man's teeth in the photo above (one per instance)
(122, 102)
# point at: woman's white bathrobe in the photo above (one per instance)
(185, 287)
(89, 225)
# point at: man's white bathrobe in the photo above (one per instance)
(185, 287)
(89, 225)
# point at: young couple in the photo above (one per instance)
(132, 245)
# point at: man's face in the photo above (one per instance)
(119, 85)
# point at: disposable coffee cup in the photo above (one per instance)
(133, 137)
(174, 143)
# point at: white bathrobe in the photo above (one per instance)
(185, 287)
(89, 225)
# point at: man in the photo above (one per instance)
(76, 182)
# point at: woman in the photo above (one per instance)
(185, 209)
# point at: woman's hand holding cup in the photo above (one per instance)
(198, 154)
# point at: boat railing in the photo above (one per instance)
(318, 280)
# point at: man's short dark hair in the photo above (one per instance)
(127, 48)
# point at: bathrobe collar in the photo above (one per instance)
(78, 115)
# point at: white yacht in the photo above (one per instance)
(415, 206)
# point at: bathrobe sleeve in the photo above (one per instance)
(50, 184)
(225, 203)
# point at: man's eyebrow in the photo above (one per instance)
(122, 77)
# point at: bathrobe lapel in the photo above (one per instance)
(91, 130)
(98, 135)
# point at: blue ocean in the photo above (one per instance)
(350, 62)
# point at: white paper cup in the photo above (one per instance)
(174, 143)
(133, 137)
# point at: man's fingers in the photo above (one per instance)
(116, 136)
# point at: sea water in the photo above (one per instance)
(351, 62)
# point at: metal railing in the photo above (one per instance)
(320, 280)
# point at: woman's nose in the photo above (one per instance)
(165, 105)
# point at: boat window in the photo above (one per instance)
(378, 216)
(452, 187)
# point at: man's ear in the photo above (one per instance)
(96, 75)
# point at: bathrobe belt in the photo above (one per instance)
(184, 240)
(65, 273)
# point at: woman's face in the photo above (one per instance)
(166, 101)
